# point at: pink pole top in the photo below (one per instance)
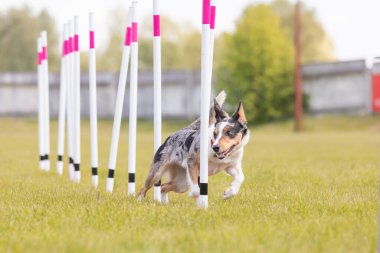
(212, 17)
(92, 39)
(206, 12)
(70, 45)
(128, 37)
(63, 49)
(156, 26)
(39, 56)
(66, 45)
(76, 43)
(44, 54)
(134, 32)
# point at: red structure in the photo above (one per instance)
(376, 92)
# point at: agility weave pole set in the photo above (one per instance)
(69, 103)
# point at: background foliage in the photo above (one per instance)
(19, 29)
(257, 65)
(254, 62)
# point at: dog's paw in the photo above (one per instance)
(194, 191)
(140, 198)
(229, 193)
(164, 198)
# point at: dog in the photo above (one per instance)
(178, 157)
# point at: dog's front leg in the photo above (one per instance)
(238, 175)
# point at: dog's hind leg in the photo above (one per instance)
(153, 177)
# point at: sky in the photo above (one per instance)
(353, 25)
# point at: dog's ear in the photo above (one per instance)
(219, 113)
(239, 114)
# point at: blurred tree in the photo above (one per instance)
(19, 30)
(110, 57)
(256, 65)
(316, 44)
(190, 48)
(170, 44)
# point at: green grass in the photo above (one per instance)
(316, 191)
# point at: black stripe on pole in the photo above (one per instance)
(111, 173)
(42, 157)
(158, 183)
(203, 187)
(76, 166)
(47, 157)
(71, 160)
(94, 171)
(59, 158)
(131, 177)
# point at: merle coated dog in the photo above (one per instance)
(178, 157)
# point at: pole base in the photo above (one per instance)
(109, 186)
(202, 201)
(77, 176)
(60, 168)
(95, 181)
(131, 189)
(47, 165)
(42, 165)
(71, 172)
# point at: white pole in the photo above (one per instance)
(93, 104)
(119, 105)
(212, 37)
(62, 106)
(46, 98)
(133, 103)
(70, 101)
(77, 100)
(157, 86)
(41, 132)
(205, 104)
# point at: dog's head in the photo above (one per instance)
(229, 132)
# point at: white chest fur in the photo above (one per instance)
(216, 165)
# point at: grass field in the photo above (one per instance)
(316, 191)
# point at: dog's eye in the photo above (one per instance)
(230, 134)
(215, 135)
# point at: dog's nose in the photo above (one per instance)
(216, 148)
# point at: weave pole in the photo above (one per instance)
(133, 103)
(76, 101)
(202, 201)
(93, 103)
(62, 106)
(119, 104)
(212, 37)
(157, 86)
(45, 71)
(41, 122)
(70, 100)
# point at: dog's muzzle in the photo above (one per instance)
(222, 154)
